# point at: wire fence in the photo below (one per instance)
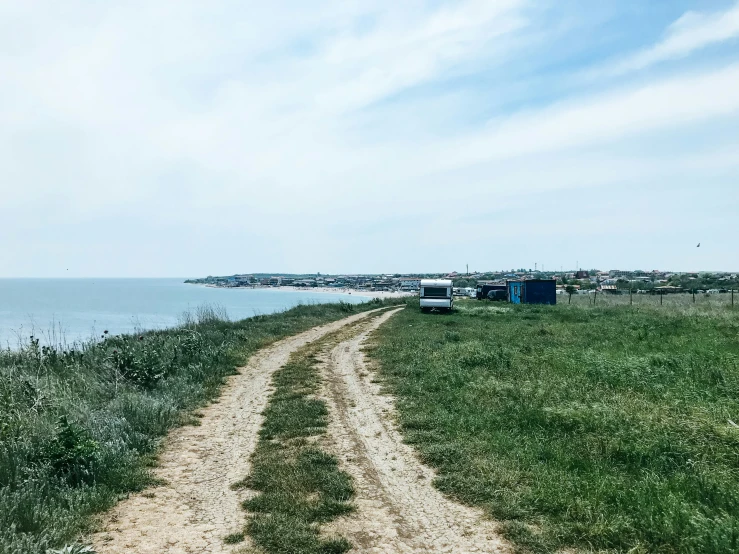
(729, 299)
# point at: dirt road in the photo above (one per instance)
(398, 509)
(196, 508)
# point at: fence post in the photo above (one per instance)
(693, 296)
(595, 297)
(631, 297)
(732, 298)
(660, 298)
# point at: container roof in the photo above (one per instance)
(436, 282)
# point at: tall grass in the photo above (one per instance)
(590, 428)
(80, 426)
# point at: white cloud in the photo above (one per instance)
(252, 130)
(693, 31)
(408, 52)
(668, 105)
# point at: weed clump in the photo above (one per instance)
(72, 453)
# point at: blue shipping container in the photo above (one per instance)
(540, 291)
(533, 291)
(514, 291)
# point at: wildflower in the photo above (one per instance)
(141, 337)
(105, 332)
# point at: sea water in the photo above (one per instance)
(63, 311)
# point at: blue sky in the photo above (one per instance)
(182, 138)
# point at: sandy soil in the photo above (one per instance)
(332, 290)
(398, 509)
(195, 508)
(353, 292)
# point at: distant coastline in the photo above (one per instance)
(326, 290)
(65, 311)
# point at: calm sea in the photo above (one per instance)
(67, 310)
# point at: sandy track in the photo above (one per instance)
(196, 508)
(398, 509)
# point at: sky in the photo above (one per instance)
(188, 138)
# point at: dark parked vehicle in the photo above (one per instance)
(498, 295)
(484, 289)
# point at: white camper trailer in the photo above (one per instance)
(436, 293)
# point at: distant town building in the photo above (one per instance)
(409, 283)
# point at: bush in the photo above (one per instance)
(72, 453)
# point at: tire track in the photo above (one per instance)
(398, 508)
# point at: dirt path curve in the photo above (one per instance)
(196, 508)
(398, 508)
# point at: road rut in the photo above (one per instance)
(398, 508)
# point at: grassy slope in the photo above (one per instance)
(78, 428)
(602, 428)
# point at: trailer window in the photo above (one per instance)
(436, 292)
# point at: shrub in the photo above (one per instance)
(72, 453)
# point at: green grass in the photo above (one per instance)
(596, 428)
(234, 538)
(684, 301)
(80, 427)
(300, 486)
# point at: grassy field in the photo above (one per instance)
(683, 301)
(79, 427)
(588, 428)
